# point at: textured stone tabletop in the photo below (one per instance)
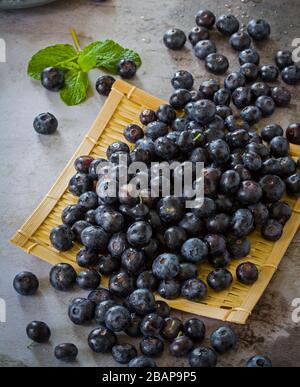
(29, 164)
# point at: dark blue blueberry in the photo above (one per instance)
(259, 29)
(247, 273)
(170, 209)
(251, 114)
(242, 223)
(259, 361)
(191, 224)
(142, 362)
(62, 276)
(291, 75)
(240, 41)
(228, 24)
(26, 283)
(273, 187)
(151, 346)
(216, 63)
(82, 164)
(127, 68)
(166, 266)
(270, 131)
(117, 244)
(194, 250)
(239, 248)
(101, 339)
(45, 123)
(53, 78)
(172, 327)
(195, 329)
(220, 279)
(259, 89)
(203, 111)
(202, 357)
(72, 214)
(181, 346)
(169, 289)
(182, 79)
(249, 56)
(194, 289)
(162, 309)
(66, 352)
(222, 97)
(142, 302)
(220, 261)
(209, 88)
(218, 224)
(147, 116)
(266, 105)
(180, 98)
(234, 123)
(101, 310)
(88, 200)
(197, 34)
(94, 238)
(216, 244)
(166, 114)
(250, 71)
(174, 39)
(238, 139)
(107, 265)
(223, 340)
(99, 295)
(219, 151)
(80, 183)
(252, 161)
(234, 80)
(134, 328)
(272, 230)
(204, 48)
(104, 85)
(174, 237)
(81, 311)
(117, 146)
(121, 284)
(117, 318)
(180, 124)
(204, 208)
(293, 133)
(88, 279)
(279, 146)
(260, 213)
(293, 184)
(133, 260)
(133, 133)
(139, 234)
(283, 59)
(166, 148)
(38, 331)
(123, 353)
(95, 166)
(151, 325)
(146, 280)
(205, 18)
(250, 192)
(269, 73)
(86, 257)
(241, 97)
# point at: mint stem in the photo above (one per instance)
(75, 39)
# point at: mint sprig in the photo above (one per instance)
(76, 63)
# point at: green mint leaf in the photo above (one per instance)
(107, 55)
(75, 89)
(63, 56)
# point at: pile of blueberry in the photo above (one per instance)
(139, 316)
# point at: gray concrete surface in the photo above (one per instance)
(29, 164)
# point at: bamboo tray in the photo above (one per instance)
(122, 107)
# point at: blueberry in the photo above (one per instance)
(170, 209)
(195, 329)
(222, 97)
(66, 352)
(101, 339)
(249, 56)
(72, 214)
(197, 34)
(139, 234)
(202, 357)
(174, 39)
(107, 265)
(53, 78)
(166, 148)
(127, 68)
(172, 327)
(287, 166)
(216, 63)
(123, 353)
(169, 289)
(165, 114)
(293, 184)
(241, 97)
(117, 318)
(284, 59)
(240, 41)
(162, 309)
(272, 230)
(151, 249)
(88, 200)
(117, 146)
(273, 187)
(219, 261)
(101, 310)
(179, 125)
(237, 139)
(259, 361)
(251, 114)
(182, 80)
(247, 273)
(218, 223)
(220, 279)
(147, 116)
(133, 133)
(142, 362)
(250, 71)
(99, 295)
(271, 166)
(203, 111)
(228, 24)
(259, 89)
(117, 245)
(218, 151)
(204, 48)
(250, 192)
(151, 325)
(194, 289)
(216, 244)
(82, 164)
(134, 328)
(279, 146)
(121, 284)
(81, 310)
(234, 80)
(242, 223)
(62, 276)
(38, 331)
(26, 283)
(270, 131)
(88, 279)
(224, 204)
(94, 238)
(293, 133)
(141, 301)
(259, 29)
(205, 18)
(133, 260)
(104, 85)
(45, 123)
(175, 237)
(239, 248)
(269, 73)
(181, 346)
(199, 155)
(194, 250)
(151, 346)
(223, 339)
(234, 123)
(252, 161)
(80, 183)
(191, 224)
(166, 266)
(291, 75)
(196, 95)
